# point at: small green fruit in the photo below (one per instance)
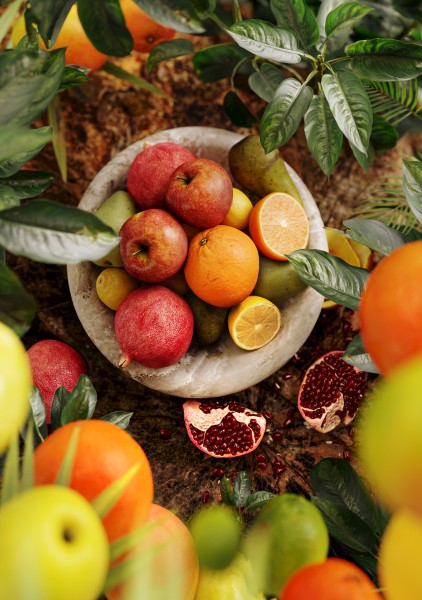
(209, 320)
(227, 584)
(277, 281)
(114, 212)
(216, 532)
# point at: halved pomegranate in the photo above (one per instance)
(223, 428)
(330, 392)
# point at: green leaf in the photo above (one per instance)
(383, 59)
(203, 8)
(237, 111)
(73, 76)
(356, 355)
(37, 407)
(27, 184)
(105, 25)
(297, 16)
(60, 399)
(242, 488)
(284, 113)
(8, 197)
(109, 497)
(257, 500)
(375, 235)
(323, 134)
(27, 479)
(226, 491)
(139, 82)
(384, 136)
(59, 135)
(395, 101)
(266, 40)
(52, 233)
(19, 145)
(334, 42)
(49, 16)
(409, 9)
(167, 50)
(344, 17)
(265, 81)
(365, 159)
(81, 403)
(17, 307)
(350, 106)
(217, 62)
(8, 16)
(412, 186)
(330, 276)
(119, 418)
(179, 15)
(128, 542)
(10, 479)
(65, 472)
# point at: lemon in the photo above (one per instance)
(254, 322)
(113, 285)
(15, 385)
(240, 209)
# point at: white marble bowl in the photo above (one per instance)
(209, 371)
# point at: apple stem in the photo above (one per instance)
(187, 180)
(124, 361)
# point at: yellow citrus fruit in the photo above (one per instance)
(15, 385)
(113, 285)
(399, 557)
(254, 322)
(278, 225)
(339, 245)
(240, 210)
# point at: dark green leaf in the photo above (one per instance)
(364, 159)
(139, 82)
(297, 16)
(334, 42)
(258, 500)
(50, 232)
(73, 76)
(330, 276)
(384, 136)
(412, 186)
(395, 101)
(81, 402)
(104, 24)
(356, 355)
(350, 106)
(59, 135)
(265, 81)
(242, 488)
(323, 134)
(383, 59)
(49, 16)
(266, 40)
(17, 307)
(226, 491)
(344, 17)
(8, 197)
(179, 15)
(119, 418)
(19, 145)
(27, 184)
(60, 399)
(217, 62)
(203, 8)
(167, 50)
(37, 407)
(375, 235)
(284, 113)
(412, 9)
(367, 562)
(237, 111)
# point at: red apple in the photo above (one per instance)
(200, 193)
(150, 173)
(153, 245)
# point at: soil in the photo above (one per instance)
(101, 118)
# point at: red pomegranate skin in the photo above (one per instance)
(54, 364)
(154, 327)
(150, 173)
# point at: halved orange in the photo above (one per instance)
(278, 225)
(254, 322)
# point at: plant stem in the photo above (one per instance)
(337, 60)
(218, 22)
(140, 82)
(235, 70)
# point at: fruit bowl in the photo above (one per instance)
(205, 371)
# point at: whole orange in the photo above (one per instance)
(390, 311)
(222, 265)
(333, 579)
(173, 563)
(104, 453)
(146, 32)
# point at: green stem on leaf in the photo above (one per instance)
(236, 69)
(218, 21)
(140, 82)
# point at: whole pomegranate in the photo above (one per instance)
(55, 364)
(330, 392)
(223, 428)
(154, 326)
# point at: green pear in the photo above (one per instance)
(114, 212)
(258, 172)
(209, 320)
(277, 281)
(232, 583)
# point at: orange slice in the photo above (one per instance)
(278, 225)
(254, 322)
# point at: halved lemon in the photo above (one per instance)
(254, 322)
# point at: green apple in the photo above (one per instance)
(114, 212)
(52, 546)
(216, 532)
(277, 281)
(15, 385)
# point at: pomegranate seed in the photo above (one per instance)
(287, 376)
(290, 418)
(276, 385)
(262, 465)
(218, 472)
(165, 433)
(205, 497)
(235, 475)
(347, 455)
(348, 339)
(296, 358)
(267, 415)
(277, 436)
(259, 457)
(316, 351)
(278, 468)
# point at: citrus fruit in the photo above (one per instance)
(277, 281)
(240, 210)
(232, 583)
(390, 311)
(389, 437)
(222, 265)
(216, 532)
(254, 322)
(15, 385)
(278, 225)
(399, 554)
(146, 32)
(287, 534)
(113, 285)
(339, 245)
(334, 579)
(364, 253)
(79, 50)
(104, 453)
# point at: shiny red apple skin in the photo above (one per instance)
(153, 245)
(200, 193)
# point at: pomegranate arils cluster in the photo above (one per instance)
(223, 428)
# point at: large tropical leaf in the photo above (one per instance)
(412, 186)
(394, 100)
(179, 15)
(217, 62)
(168, 50)
(104, 23)
(265, 81)
(322, 133)
(382, 59)
(49, 16)
(18, 145)
(375, 235)
(344, 17)
(334, 41)
(297, 16)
